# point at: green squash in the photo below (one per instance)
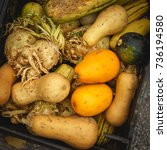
(104, 127)
(133, 49)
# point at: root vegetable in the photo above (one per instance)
(79, 132)
(28, 56)
(7, 78)
(51, 87)
(110, 21)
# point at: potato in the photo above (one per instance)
(78, 132)
(7, 78)
(69, 26)
(52, 87)
(110, 21)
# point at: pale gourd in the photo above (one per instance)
(118, 112)
(52, 87)
(111, 20)
(78, 132)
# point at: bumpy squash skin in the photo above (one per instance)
(98, 66)
(117, 113)
(7, 78)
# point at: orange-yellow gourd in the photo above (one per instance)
(98, 66)
(90, 100)
(7, 78)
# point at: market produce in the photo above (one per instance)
(141, 26)
(79, 132)
(133, 48)
(136, 9)
(7, 78)
(52, 87)
(90, 100)
(117, 113)
(74, 81)
(111, 20)
(98, 66)
(61, 11)
(104, 128)
(32, 9)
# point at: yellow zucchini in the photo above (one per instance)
(136, 9)
(141, 26)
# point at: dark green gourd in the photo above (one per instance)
(133, 49)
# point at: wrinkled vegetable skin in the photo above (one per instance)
(7, 78)
(79, 132)
(63, 11)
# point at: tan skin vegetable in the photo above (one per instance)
(118, 112)
(52, 87)
(7, 78)
(69, 26)
(111, 20)
(78, 132)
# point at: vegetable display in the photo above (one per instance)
(73, 67)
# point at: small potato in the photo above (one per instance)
(52, 87)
